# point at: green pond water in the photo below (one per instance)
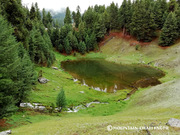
(108, 77)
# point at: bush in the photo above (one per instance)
(61, 100)
(138, 47)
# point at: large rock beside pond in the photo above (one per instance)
(43, 80)
(5, 132)
(174, 122)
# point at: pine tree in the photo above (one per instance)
(8, 69)
(68, 19)
(40, 47)
(88, 43)
(113, 16)
(26, 76)
(38, 15)
(82, 31)
(64, 32)
(93, 42)
(32, 12)
(89, 17)
(61, 100)
(160, 8)
(82, 47)
(124, 16)
(46, 18)
(67, 46)
(178, 20)
(77, 17)
(169, 31)
(99, 28)
(172, 5)
(142, 29)
(55, 37)
(72, 40)
(16, 15)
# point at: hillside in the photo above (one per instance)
(148, 106)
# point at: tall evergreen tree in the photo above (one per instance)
(172, 5)
(142, 29)
(68, 19)
(93, 42)
(113, 16)
(89, 17)
(160, 8)
(169, 31)
(26, 76)
(124, 16)
(77, 17)
(67, 46)
(178, 20)
(38, 15)
(88, 43)
(82, 47)
(99, 28)
(82, 31)
(16, 71)
(16, 15)
(33, 12)
(72, 40)
(40, 47)
(8, 69)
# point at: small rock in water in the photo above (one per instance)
(5, 132)
(174, 122)
(55, 68)
(43, 80)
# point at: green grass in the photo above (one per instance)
(47, 93)
(148, 105)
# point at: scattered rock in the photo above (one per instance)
(36, 104)
(5, 132)
(174, 122)
(27, 105)
(55, 68)
(82, 92)
(43, 80)
(41, 108)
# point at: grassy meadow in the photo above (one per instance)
(147, 107)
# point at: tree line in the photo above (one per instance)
(23, 42)
(141, 19)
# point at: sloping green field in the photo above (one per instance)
(152, 106)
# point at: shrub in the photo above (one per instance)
(61, 100)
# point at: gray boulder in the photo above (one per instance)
(27, 105)
(82, 92)
(5, 132)
(174, 122)
(55, 68)
(41, 108)
(43, 80)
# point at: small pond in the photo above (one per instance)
(109, 77)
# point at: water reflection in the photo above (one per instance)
(110, 77)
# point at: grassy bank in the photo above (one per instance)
(148, 106)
